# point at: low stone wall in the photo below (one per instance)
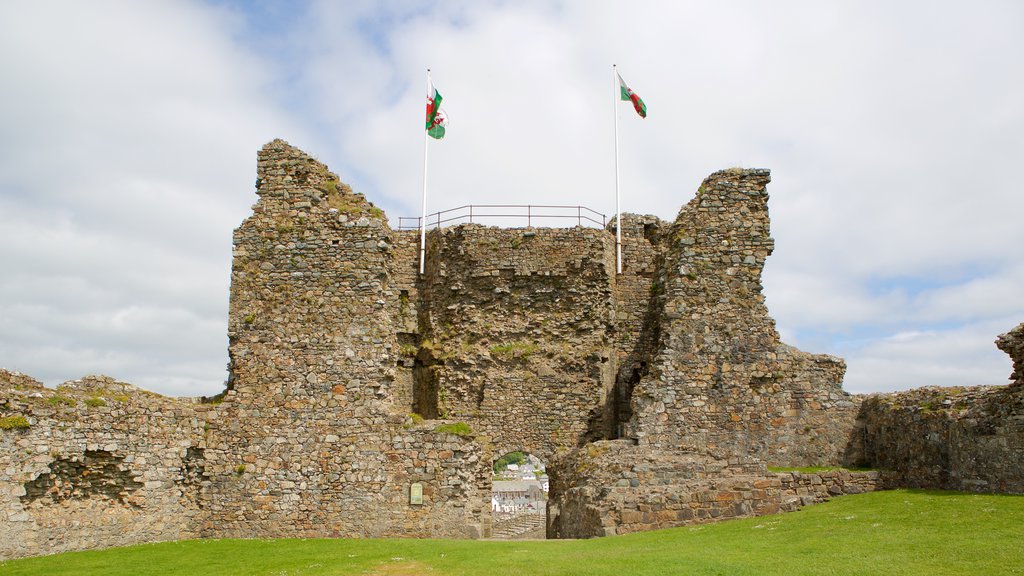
(615, 487)
(968, 439)
(805, 488)
(591, 512)
(96, 463)
(618, 488)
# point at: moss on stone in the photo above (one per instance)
(61, 400)
(14, 423)
(456, 428)
(511, 350)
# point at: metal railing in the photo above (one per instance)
(473, 213)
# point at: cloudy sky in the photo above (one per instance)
(894, 132)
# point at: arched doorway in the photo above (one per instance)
(519, 497)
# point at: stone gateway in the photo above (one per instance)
(366, 400)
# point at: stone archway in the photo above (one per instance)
(518, 496)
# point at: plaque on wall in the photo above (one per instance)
(416, 493)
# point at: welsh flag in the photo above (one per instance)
(630, 96)
(436, 117)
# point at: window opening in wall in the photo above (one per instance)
(424, 383)
(650, 232)
(625, 382)
(519, 497)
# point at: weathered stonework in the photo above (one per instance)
(102, 463)
(308, 440)
(969, 438)
(1013, 344)
(617, 488)
(656, 397)
(514, 332)
(719, 380)
(962, 438)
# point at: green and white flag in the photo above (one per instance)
(630, 96)
(437, 119)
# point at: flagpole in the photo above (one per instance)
(618, 210)
(423, 212)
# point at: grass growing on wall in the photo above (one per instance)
(897, 532)
(14, 423)
(61, 400)
(513, 350)
(457, 428)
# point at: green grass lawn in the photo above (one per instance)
(901, 532)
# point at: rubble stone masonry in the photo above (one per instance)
(97, 463)
(718, 378)
(365, 399)
(964, 438)
(308, 440)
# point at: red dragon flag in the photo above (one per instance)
(630, 96)
(436, 117)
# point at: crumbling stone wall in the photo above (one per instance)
(618, 488)
(405, 305)
(513, 336)
(528, 336)
(713, 394)
(98, 463)
(637, 313)
(308, 440)
(656, 397)
(1013, 344)
(968, 438)
(718, 378)
(615, 487)
(515, 333)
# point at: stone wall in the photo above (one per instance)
(712, 393)
(618, 488)
(806, 488)
(656, 397)
(1013, 344)
(405, 306)
(308, 440)
(525, 338)
(717, 378)
(615, 487)
(514, 334)
(98, 463)
(969, 439)
(965, 438)
(637, 315)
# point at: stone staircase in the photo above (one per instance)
(520, 527)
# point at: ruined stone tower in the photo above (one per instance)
(365, 399)
(527, 336)
(309, 424)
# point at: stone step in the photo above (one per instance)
(518, 526)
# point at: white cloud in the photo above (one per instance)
(960, 356)
(128, 158)
(892, 131)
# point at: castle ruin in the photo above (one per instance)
(366, 400)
